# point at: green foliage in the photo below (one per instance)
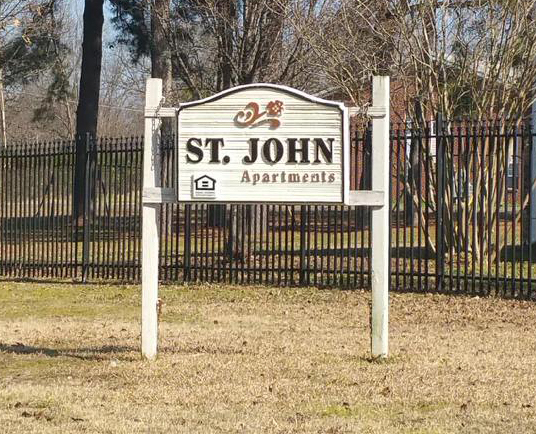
(31, 42)
(59, 89)
(132, 20)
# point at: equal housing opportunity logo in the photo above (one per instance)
(203, 186)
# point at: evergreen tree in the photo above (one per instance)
(29, 37)
(29, 41)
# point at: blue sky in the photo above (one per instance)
(78, 9)
(79, 4)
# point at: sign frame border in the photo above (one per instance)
(345, 142)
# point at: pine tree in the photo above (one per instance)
(29, 40)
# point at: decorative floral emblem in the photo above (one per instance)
(251, 116)
(275, 108)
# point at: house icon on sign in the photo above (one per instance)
(203, 187)
(205, 183)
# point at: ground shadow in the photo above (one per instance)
(346, 252)
(89, 354)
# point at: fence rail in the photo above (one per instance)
(460, 217)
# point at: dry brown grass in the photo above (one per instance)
(262, 360)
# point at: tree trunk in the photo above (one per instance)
(161, 66)
(236, 232)
(414, 167)
(3, 110)
(88, 101)
(413, 177)
(365, 182)
(226, 17)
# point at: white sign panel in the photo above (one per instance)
(263, 143)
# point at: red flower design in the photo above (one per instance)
(275, 108)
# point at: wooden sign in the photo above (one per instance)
(263, 143)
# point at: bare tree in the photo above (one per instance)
(121, 104)
(219, 44)
(458, 58)
(476, 59)
(349, 41)
(214, 44)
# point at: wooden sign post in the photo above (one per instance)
(381, 228)
(270, 143)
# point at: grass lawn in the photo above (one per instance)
(262, 360)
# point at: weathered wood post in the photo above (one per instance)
(150, 216)
(380, 220)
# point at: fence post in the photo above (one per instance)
(87, 203)
(187, 273)
(150, 223)
(440, 161)
(532, 222)
(380, 224)
(303, 223)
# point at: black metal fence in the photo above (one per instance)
(460, 218)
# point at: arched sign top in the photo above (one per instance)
(263, 143)
(285, 89)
